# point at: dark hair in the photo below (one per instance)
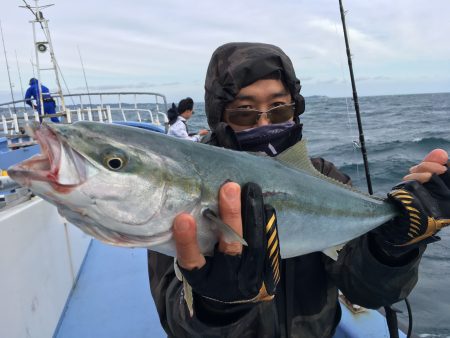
(172, 114)
(185, 104)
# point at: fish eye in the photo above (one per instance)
(114, 162)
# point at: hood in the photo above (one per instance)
(33, 82)
(238, 64)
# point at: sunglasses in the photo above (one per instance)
(249, 117)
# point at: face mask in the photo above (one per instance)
(271, 139)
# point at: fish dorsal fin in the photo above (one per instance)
(296, 157)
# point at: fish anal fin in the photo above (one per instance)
(333, 252)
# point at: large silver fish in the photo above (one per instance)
(124, 186)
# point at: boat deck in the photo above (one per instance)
(111, 297)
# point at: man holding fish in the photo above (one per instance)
(264, 236)
(253, 103)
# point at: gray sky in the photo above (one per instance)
(398, 46)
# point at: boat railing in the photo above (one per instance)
(102, 107)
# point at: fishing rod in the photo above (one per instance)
(7, 69)
(84, 74)
(20, 78)
(391, 313)
(356, 102)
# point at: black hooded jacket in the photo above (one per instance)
(238, 64)
(306, 301)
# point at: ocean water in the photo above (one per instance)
(399, 131)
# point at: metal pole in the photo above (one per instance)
(37, 64)
(52, 55)
(7, 69)
(355, 100)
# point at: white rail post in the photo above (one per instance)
(79, 114)
(36, 116)
(108, 113)
(5, 125)
(157, 110)
(16, 123)
(25, 117)
(152, 119)
(68, 115)
(89, 111)
(100, 114)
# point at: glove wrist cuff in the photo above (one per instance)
(389, 254)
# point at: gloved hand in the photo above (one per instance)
(251, 276)
(424, 210)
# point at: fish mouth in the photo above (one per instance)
(58, 163)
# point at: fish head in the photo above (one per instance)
(108, 180)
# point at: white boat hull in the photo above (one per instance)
(40, 256)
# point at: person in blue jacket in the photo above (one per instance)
(33, 93)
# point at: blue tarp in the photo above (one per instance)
(142, 125)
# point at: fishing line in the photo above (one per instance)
(356, 102)
(65, 83)
(350, 124)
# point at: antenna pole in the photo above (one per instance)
(53, 60)
(7, 69)
(40, 47)
(37, 64)
(355, 100)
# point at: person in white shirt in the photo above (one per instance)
(178, 120)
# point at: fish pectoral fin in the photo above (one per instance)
(227, 231)
(333, 252)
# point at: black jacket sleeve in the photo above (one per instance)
(368, 281)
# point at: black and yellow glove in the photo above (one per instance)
(424, 211)
(252, 276)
